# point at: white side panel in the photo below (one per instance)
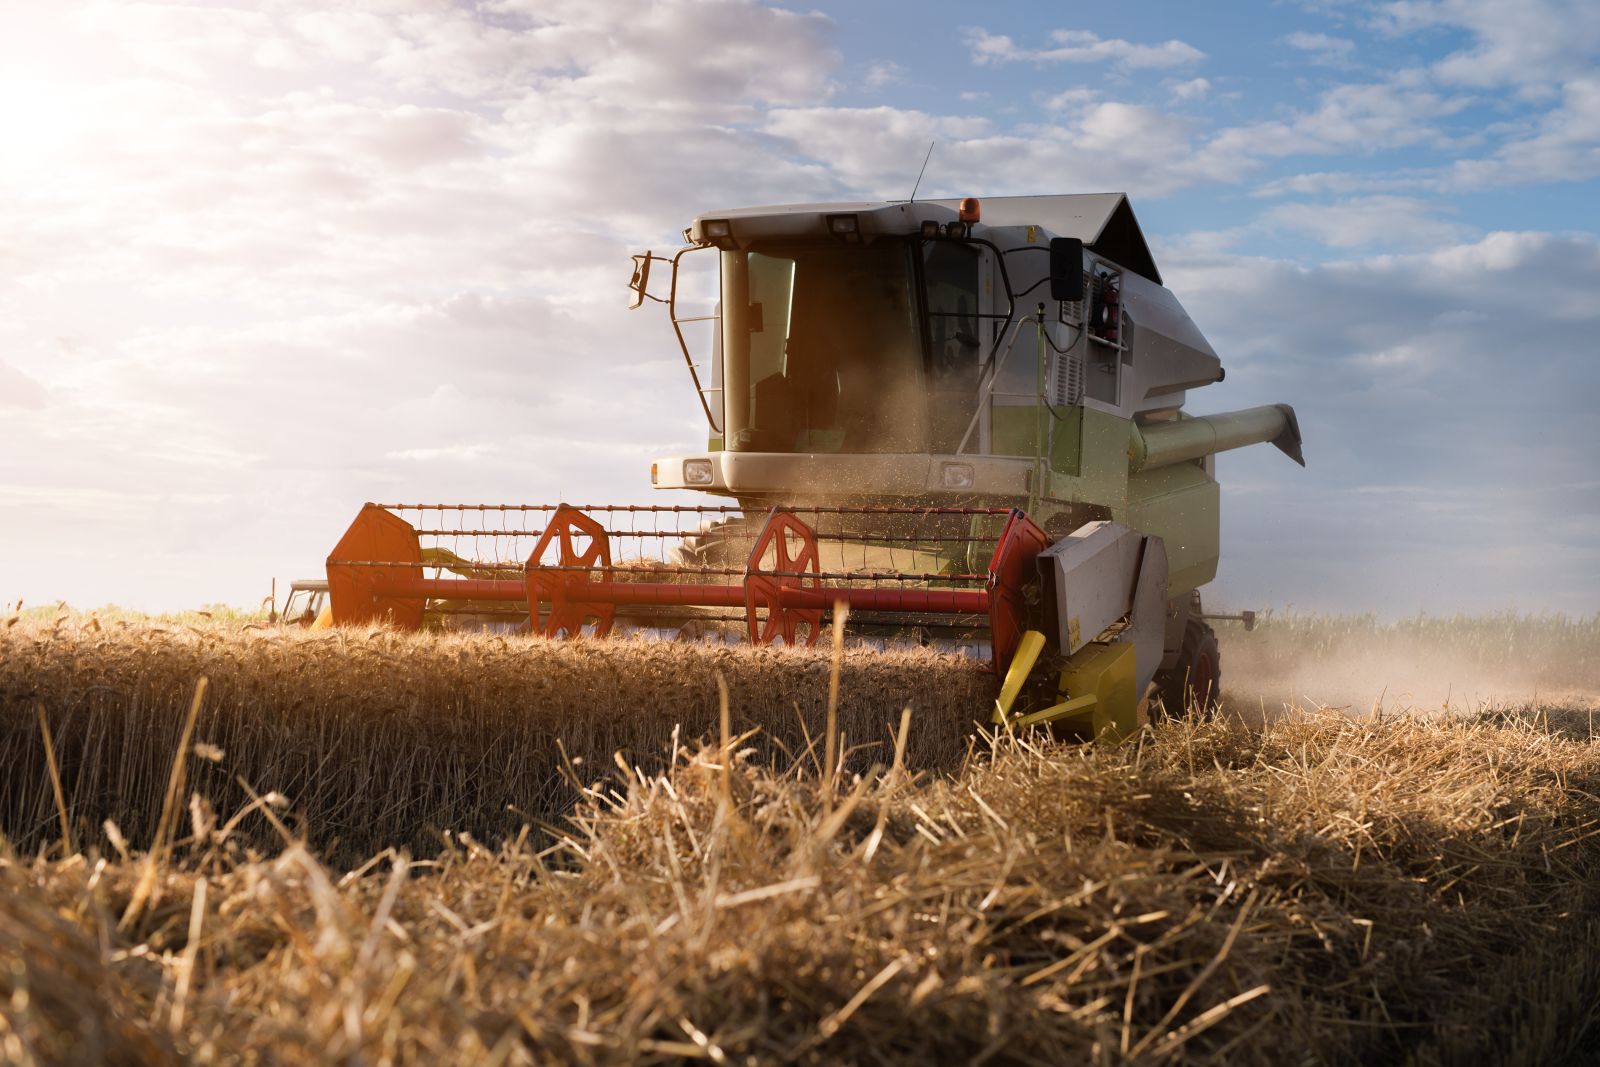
(1095, 568)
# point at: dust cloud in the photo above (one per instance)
(1443, 666)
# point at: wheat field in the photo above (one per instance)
(359, 848)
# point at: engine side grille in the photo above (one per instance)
(1067, 386)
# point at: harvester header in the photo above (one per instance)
(651, 570)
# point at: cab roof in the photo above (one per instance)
(1104, 222)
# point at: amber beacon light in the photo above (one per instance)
(970, 209)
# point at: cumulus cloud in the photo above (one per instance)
(1082, 46)
(1104, 145)
(1363, 222)
(1321, 48)
(1445, 423)
(1395, 113)
(1562, 145)
(1538, 44)
(884, 73)
(17, 390)
(278, 259)
(265, 261)
(1540, 61)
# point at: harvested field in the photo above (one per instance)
(1323, 889)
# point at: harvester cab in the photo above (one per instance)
(961, 421)
(305, 604)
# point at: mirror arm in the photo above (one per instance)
(683, 343)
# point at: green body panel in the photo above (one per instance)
(1066, 442)
(1013, 429)
(1103, 462)
(1180, 503)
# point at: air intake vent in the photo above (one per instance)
(1067, 388)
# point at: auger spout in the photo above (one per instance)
(1164, 443)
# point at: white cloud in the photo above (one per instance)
(347, 35)
(1361, 117)
(458, 453)
(384, 257)
(1534, 43)
(17, 390)
(1193, 89)
(1069, 99)
(1323, 49)
(1108, 145)
(1562, 145)
(1335, 182)
(883, 74)
(188, 41)
(1363, 222)
(1544, 52)
(1437, 438)
(1082, 46)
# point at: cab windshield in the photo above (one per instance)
(821, 349)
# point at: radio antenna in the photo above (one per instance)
(923, 171)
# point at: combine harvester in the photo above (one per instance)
(962, 422)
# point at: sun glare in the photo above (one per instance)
(46, 82)
(39, 114)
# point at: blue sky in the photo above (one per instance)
(261, 262)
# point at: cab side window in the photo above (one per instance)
(950, 277)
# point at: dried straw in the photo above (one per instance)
(1323, 890)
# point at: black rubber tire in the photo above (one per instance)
(1194, 683)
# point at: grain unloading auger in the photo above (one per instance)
(899, 435)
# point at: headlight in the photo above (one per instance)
(697, 472)
(956, 475)
(719, 232)
(845, 227)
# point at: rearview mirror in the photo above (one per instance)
(1066, 268)
(640, 282)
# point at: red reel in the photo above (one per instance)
(559, 594)
(793, 548)
(1011, 569)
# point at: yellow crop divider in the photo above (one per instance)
(1102, 679)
